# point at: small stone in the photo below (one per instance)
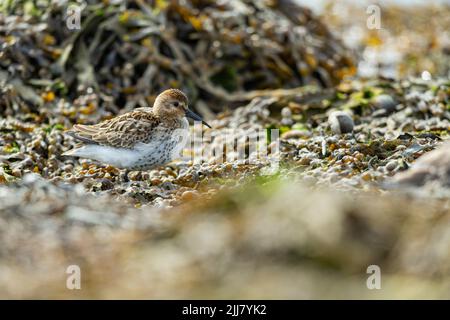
(17, 173)
(422, 106)
(332, 140)
(73, 180)
(68, 168)
(366, 176)
(386, 102)
(295, 134)
(392, 165)
(112, 169)
(359, 157)
(304, 161)
(286, 117)
(56, 179)
(340, 122)
(156, 181)
(287, 121)
(106, 184)
(134, 175)
(170, 172)
(286, 112)
(51, 149)
(26, 163)
(189, 195)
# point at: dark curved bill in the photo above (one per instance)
(193, 115)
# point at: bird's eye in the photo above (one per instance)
(176, 104)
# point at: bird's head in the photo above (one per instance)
(173, 104)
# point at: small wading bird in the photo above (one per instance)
(141, 139)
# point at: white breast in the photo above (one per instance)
(165, 145)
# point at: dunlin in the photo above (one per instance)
(141, 139)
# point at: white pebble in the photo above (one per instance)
(340, 122)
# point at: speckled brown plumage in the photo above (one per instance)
(140, 139)
(121, 132)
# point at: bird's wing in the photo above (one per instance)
(124, 131)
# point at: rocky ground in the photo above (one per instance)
(349, 191)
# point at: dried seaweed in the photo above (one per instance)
(129, 51)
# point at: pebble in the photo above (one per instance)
(392, 165)
(304, 161)
(286, 112)
(189, 195)
(17, 172)
(422, 106)
(340, 122)
(385, 102)
(106, 184)
(134, 175)
(295, 134)
(366, 176)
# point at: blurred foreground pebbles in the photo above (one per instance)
(263, 247)
(433, 168)
(363, 175)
